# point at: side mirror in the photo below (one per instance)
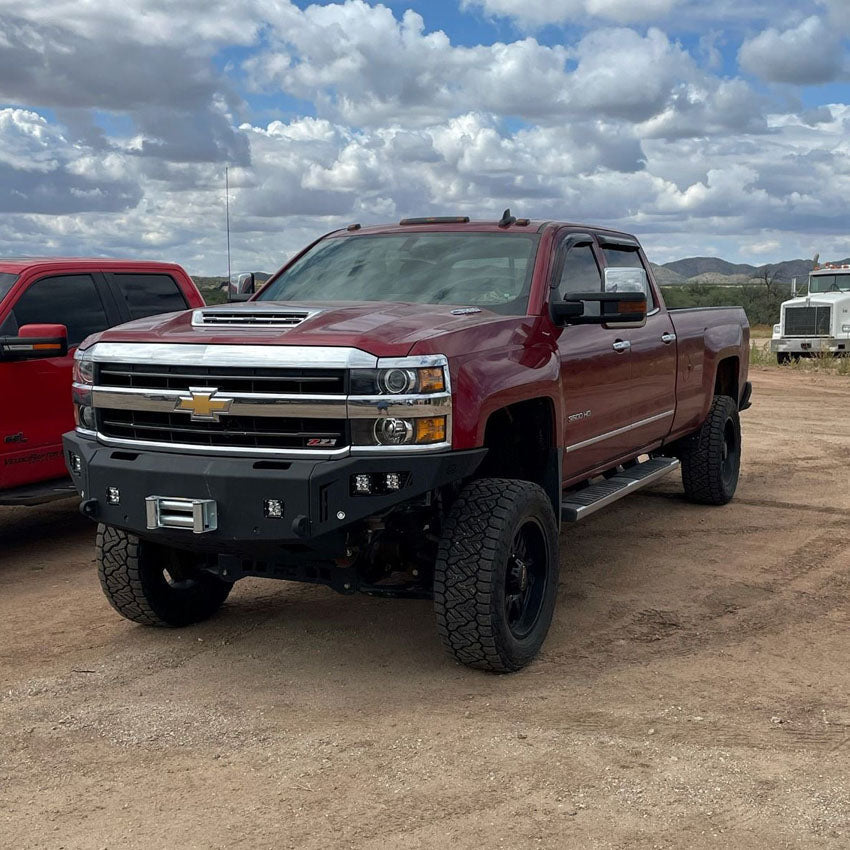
(620, 309)
(35, 342)
(241, 287)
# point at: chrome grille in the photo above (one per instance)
(262, 432)
(807, 321)
(227, 379)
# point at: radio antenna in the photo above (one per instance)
(227, 217)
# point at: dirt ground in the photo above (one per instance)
(693, 691)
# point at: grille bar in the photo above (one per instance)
(230, 431)
(225, 379)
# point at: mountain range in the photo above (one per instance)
(714, 270)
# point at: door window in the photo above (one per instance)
(71, 300)
(150, 294)
(580, 272)
(627, 258)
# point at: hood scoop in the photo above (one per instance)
(248, 318)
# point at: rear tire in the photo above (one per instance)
(496, 575)
(155, 585)
(711, 458)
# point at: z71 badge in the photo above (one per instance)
(321, 442)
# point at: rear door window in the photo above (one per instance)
(71, 300)
(149, 294)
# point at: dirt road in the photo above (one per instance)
(693, 691)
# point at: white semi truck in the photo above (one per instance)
(818, 322)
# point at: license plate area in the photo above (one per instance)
(196, 515)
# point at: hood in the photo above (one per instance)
(385, 329)
(818, 299)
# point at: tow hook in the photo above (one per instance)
(90, 508)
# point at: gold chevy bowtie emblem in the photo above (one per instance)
(202, 405)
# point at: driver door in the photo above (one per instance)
(595, 369)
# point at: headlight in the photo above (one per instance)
(845, 329)
(395, 431)
(777, 329)
(398, 381)
(83, 368)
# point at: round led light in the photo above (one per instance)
(393, 432)
(86, 415)
(397, 381)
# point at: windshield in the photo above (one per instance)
(829, 283)
(488, 270)
(7, 280)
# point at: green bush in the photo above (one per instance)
(761, 306)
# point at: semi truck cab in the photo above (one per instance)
(817, 323)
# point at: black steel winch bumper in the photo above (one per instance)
(226, 504)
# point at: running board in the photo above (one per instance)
(582, 503)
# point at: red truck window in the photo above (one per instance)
(6, 282)
(150, 294)
(580, 273)
(71, 300)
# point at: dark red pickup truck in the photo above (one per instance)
(47, 308)
(409, 410)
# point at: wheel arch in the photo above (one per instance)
(521, 442)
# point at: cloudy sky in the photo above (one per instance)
(707, 127)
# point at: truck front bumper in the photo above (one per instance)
(809, 345)
(238, 499)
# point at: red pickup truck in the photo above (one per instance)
(47, 308)
(407, 410)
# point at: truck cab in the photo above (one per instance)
(47, 308)
(817, 323)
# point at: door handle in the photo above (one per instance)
(622, 345)
(667, 338)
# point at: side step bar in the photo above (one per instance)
(582, 503)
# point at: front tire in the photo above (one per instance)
(783, 357)
(155, 585)
(496, 575)
(711, 458)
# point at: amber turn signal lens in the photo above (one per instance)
(431, 429)
(431, 380)
(631, 307)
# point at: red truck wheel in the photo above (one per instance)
(155, 585)
(496, 575)
(711, 458)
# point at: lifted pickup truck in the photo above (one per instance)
(407, 410)
(47, 308)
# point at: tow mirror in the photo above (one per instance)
(241, 286)
(35, 342)
(622, 304)
(615, 308)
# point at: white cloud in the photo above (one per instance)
(538, 12)
(809, 53)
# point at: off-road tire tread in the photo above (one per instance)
(119, 569)
(468, 553)
(700, 455)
